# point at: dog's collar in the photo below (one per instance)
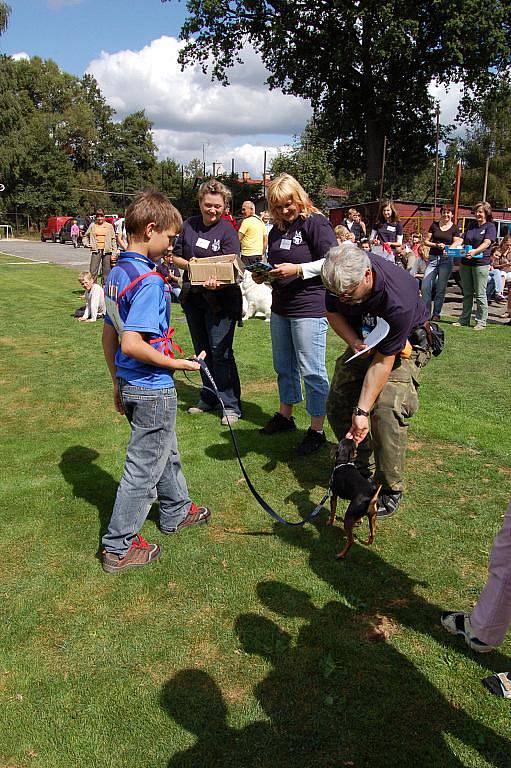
(344, 464)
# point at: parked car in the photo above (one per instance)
(52, 229)
(65, 232)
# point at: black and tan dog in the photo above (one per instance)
(347, 483)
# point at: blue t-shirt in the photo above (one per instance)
(143, 308)
(395, 297)
(303, 241)
(474, 237)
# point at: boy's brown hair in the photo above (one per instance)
(152, 206)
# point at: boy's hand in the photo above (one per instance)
(193, 365)
(117, 400)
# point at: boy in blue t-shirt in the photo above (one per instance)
(137, 347)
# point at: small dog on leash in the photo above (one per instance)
(256, 298)
(362, 493)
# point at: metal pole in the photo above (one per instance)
(264, 177)
(203, 161)
(436, 158)
(382, 174)
(486, 169)
(182, 182)
(457, 186)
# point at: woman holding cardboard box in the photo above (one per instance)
(212, 309)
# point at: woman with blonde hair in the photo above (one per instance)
(212, 310)
(297, 244)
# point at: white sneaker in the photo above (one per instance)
(479, 327)
(201, 407)
(229, 417)
(458, 623)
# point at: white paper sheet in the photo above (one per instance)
(378, 333)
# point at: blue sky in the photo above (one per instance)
(73, 33)
(131, 47)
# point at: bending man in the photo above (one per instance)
(383, 383)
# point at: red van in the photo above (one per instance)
(53, 226)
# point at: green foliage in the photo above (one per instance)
(5, 12)
(365, 66)
(309, 162)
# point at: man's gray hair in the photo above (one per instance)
(344, 266)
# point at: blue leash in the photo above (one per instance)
(257, 496)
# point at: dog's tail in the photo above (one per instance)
(371, 514)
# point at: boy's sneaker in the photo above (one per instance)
(312, 441)
(229, 417)
(140, 553)
(458, 623)
(201, 407)
(196, 516)
(278, 423)
(388, 503)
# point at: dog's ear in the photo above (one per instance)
(333, 452)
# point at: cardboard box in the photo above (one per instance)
(224, 268)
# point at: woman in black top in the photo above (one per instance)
(388, 231)
(442, 234)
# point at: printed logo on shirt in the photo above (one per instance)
(297, 238)
(215, 245)
(368, 324)
(483, 232)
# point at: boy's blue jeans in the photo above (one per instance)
(152, 469)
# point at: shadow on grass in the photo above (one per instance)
(89, 482)
(188, 393)
(340, 693)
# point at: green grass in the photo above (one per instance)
(246, 644)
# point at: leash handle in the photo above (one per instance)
(264, 504)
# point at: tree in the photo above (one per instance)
(366, 66)
(130, 161)
(5, 12)
(309, 163)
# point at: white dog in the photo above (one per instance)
(256, 298)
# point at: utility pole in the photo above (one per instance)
(457, 186)
(203, 161)
(264, 178)
(486, 169)
(436, 158)
(383, 160)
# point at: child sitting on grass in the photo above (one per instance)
(94, 296)
(138, 352)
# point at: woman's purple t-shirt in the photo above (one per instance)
(198, 241)
(303, 241)
(474, 237)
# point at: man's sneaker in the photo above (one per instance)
(312, 441)
(388, 503)
(201, 407)
(140, 553)
(479, 327)
(196, 516)
(278, 423)
(229, 417)
(458, 623)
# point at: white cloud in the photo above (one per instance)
(22, 55)
(449, 98)
(188, 109)
(56, 5)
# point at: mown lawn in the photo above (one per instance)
(247, 643)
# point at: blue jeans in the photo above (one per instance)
(497, 276)
(437, 274)
(214, 333)
(299, 347)
(152, 469)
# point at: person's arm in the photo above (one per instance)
(93, 303)
(241, 231)
(480, 248)
(85, 237)
(110, 347)
(86, 313)
(265, 241)
(375, 379)
(134, 345)
(343, 329)
(287, 269)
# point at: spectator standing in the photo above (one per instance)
(100, 238)
(387, 231)
(474, 271)
(75, 233)
(252, 235)
(227, 216)
(441, 235)
(353, 224)
(120, 234)
(297, 244)
(212, 310)
(94, 298)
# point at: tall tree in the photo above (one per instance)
(366, 65)
(309, 162)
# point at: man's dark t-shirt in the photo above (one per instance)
(303, 241)
(395, 297)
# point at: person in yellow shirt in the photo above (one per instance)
(252, 235)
